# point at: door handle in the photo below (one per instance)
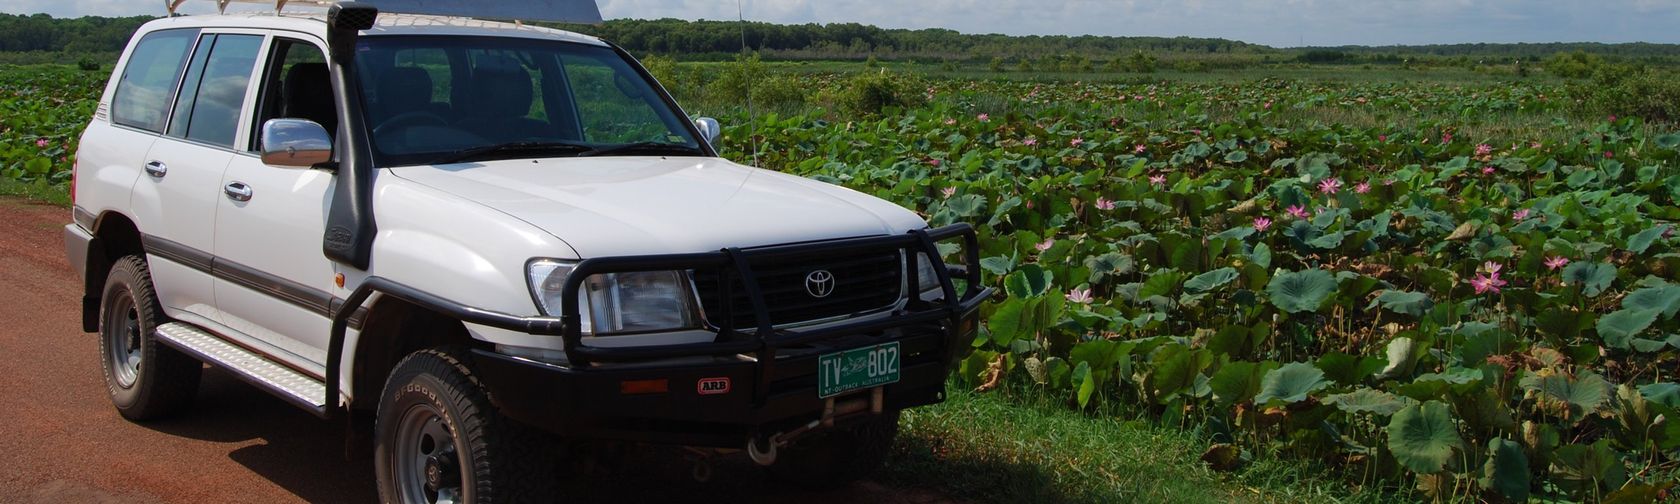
(238, 191)
(157, 169)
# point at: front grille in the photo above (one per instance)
(861, 283)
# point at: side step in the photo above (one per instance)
(297, 388)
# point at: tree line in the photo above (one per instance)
(74, 37)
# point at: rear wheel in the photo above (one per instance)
(146, 379)
(438, 440)
(828, 459)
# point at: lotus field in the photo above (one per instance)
(1457, 288)
(1462, 288)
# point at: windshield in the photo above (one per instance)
(441, 99)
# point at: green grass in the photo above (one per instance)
(1018, 448)
(42, 192)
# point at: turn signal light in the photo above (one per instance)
(634, 387)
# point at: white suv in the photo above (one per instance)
(482, 233)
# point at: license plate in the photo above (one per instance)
(858, 368)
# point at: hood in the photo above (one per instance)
(613, 206)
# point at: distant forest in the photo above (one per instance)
(69, 38)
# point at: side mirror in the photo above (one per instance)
(295, 143)
(710, 129)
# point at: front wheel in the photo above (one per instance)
(438, 440)
(836, 457)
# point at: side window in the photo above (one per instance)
(611, 111)
(296, 86)
(213, 94)
(148, 81)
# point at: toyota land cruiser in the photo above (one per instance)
(483, 234)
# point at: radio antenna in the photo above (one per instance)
(752, 120)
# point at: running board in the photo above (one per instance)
(297, 388)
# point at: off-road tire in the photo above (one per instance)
(832, 458)
(165, 380)
(499, 460)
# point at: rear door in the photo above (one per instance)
(273, 281)
(176, 201)
(130, 116)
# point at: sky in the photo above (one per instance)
(1281, 23)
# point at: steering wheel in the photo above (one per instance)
(409, 120)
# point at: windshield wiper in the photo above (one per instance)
(644, 148)
(491, 151)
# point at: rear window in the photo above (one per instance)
(148, 82)
(213, 94)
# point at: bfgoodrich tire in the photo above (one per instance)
(437, 439)
(828, 459)
(146, 379)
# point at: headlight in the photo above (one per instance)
(618, 303)
(925, 275)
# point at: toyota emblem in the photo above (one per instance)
(819, 283)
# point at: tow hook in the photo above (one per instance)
(702, 459)
(762, 449)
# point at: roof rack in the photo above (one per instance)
(556, 11)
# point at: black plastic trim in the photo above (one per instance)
(178, 253)
(350, 228)
(290, 292)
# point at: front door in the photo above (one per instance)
(273, 282)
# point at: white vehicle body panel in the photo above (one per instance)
(652, 205)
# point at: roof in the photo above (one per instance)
(388, 24)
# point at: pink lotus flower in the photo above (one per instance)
(1609, 154)
(1446, 138)
(1388, 181)
(950, 122)
(1362, 188)
(1104, 203)
(1029, 142)
(1382, 138)
(1484, 149)
(1519, 214)
(948, 192)
(1076, 142)
(1138, 149)
(1536, 145)
(1297, 211)
(1487, 170)
(42, 143)
(934, 161)
(1330, 185)
(1081, 296)
(983, 117)
(1555, 262)
(1491, 267)
(1487, 283)
(1045, 245)
(1261, 224)
(1612, 117)
(1157, 180)
(1268, 105)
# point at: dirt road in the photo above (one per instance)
(61, 442)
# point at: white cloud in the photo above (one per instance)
(1273, 22)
